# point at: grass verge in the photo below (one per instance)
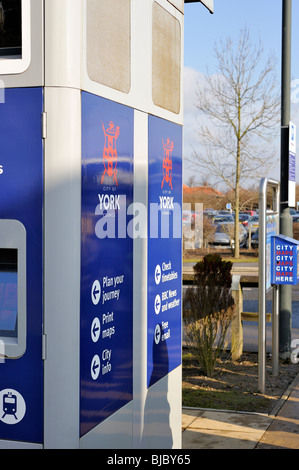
(234, 384)
(223, 400)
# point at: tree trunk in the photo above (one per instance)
(236, 234)
(237, 184)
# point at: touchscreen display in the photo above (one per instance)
(10, 28)
(8, 303)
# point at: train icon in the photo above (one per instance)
(9, 405)
(12, 407)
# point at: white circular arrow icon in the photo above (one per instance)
(157, 304)
(95, 367)
(157, 334)
(96, 292)
(95, 330)
(158, 274)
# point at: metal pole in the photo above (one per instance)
(275, 331)
(286, 223)
(262, 287)
(275, 302)
(286, 61)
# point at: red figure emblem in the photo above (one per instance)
(167, 163)
(110, 152)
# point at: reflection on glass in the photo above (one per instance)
(10, 28)
(8, 293)
(8, 303)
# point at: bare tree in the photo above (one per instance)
(240, 109)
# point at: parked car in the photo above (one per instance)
(210, 212)
(218, 219)
(224, 235)
(294, 213)
(255, 239)
(224, 212)
(249, 212)
(253, 223)
(188, 217)
(243, 218)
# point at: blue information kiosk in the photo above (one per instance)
(91, 132)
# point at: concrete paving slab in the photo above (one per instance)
(283, 433)
(279, 440)
(223, 430)
(188, 416)
(210, 440)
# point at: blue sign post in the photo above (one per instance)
(292, 165)
(284, 257)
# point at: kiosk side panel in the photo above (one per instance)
(106, 347)
(21, 202)
(164, 248)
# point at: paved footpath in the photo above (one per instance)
(283, 432)
(208, 429)
(214, 429)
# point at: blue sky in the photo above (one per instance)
(263, 18)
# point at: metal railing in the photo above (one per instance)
(264, 262)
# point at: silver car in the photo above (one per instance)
(224, 235)
(253, 223)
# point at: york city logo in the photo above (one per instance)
(167, 163)
(110, 152)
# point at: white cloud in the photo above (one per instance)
(192, 80)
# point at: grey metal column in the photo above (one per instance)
(275, 298)
(265, 183)
(275, 331)
(286, 224)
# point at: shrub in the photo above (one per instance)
(210, 310)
